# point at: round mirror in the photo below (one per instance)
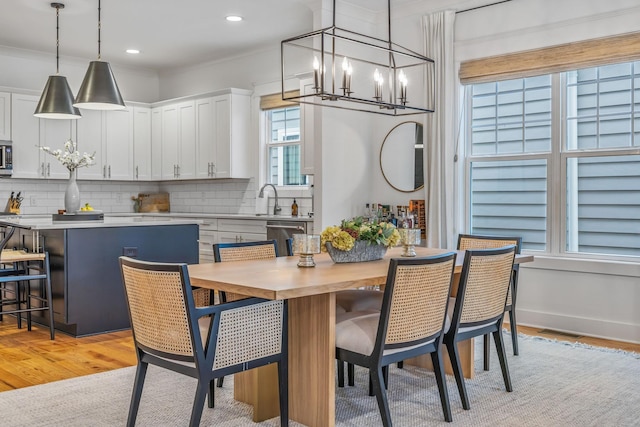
(401, 157)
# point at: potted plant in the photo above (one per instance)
(356, 240)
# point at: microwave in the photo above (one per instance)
(6, 158)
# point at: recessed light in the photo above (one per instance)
(234, 18)
(133, 51)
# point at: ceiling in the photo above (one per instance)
(168, 34)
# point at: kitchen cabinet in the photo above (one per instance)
(5, 116)
(29, 133)
(222, 135)
(179, 141)
(208, 235)
(108, 134)
(142, 143)
(156, 144)
(310, 127)
(239, 230)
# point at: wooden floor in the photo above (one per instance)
(30, 358)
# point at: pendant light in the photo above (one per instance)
(354, 71)
(99, 90)
(56, 101)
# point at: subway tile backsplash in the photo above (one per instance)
(230, 196)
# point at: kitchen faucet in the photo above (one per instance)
(276, 208)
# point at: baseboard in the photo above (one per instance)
(580, 325)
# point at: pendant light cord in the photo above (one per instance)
(99, 30)
(58, 39)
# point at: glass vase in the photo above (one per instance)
(72, 195)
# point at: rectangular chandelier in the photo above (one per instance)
(354, 71)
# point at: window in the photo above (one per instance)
(283, 138)
(572, 137)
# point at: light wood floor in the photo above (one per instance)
(30, 358)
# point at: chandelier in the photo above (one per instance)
(353, 71)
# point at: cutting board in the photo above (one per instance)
(158, 202)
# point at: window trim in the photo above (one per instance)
(266, 143)
(557, 226)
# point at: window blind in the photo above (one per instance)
(273, 101)
(564, 57)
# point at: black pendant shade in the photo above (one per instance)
(56, 101)
(99, 90)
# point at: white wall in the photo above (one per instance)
(24, 70)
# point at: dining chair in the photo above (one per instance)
(478, 308)
(26, 278)
(242, 251)
(474, 241)
(201, 342)
(411, 323)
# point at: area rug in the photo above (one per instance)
(555, 384)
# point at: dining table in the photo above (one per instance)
(311, 294)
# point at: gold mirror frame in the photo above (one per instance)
(387, 139)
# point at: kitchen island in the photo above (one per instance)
(88, 295)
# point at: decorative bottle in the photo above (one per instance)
(294, 208)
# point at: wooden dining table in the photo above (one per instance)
(311, 295)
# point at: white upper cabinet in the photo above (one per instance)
(156, 143)
(205, 138)
(29, 133)
(90, 137)
(119, 144)
(179, 141)
(187, 140)
(222, 136)
(142, 143)
(5, 116)
(169, 142)
(108, 134)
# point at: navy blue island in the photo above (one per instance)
(88, 294)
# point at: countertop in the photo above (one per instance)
(44, 222)
(261, 217)
(41, 222)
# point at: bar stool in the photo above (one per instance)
(30, 275)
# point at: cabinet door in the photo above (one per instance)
(156, 143)
(119, 144)
(205, 138)
(5, 116)
(169, 141)
(54, 134)
(222, 123)
(142, 143)
(26, 138)
(90, 135)
(187, 140)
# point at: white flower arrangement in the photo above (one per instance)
(71, 157)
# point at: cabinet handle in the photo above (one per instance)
(104, 171)
(109, 171)
(174, 170)
(136, 172)
(48, 169)
(42, 169)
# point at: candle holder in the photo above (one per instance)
(306, 245)
(409, 237)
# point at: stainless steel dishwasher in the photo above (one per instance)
(283, 230)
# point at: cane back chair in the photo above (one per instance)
(201, 342)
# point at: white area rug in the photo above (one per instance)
(555, 384)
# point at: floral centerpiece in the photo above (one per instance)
(356, 240)
(71, 158)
